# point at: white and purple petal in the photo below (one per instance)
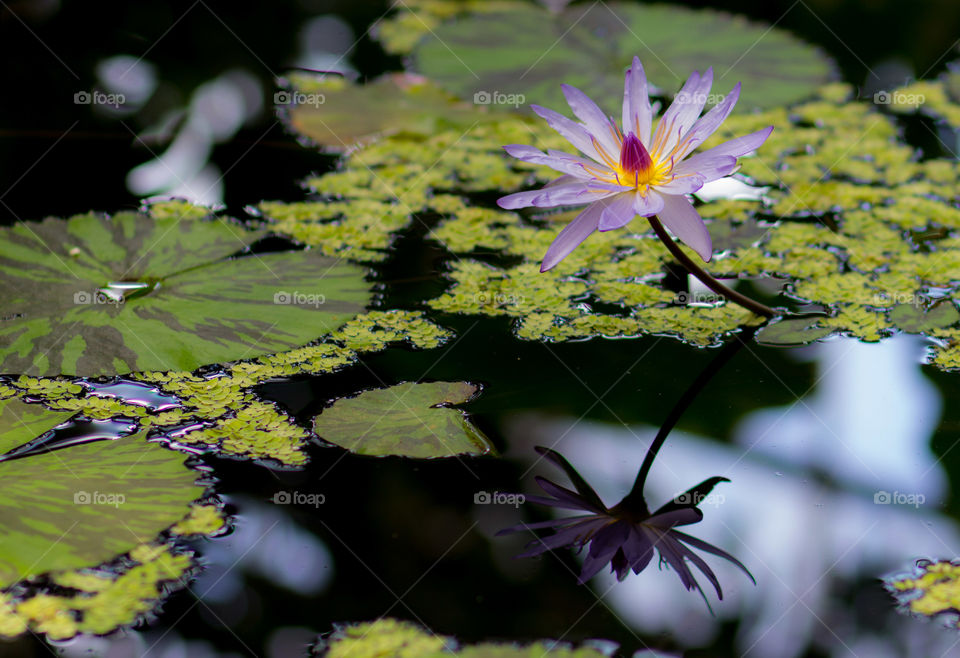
(572, 236)
(637, 112)
(617, 211)
(682, 184)
(684, 221)
(708, 167)
(596, 122)
(707, 124)
(683, 112)
(740, 145)
(569, 166)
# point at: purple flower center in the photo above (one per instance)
(634, 158)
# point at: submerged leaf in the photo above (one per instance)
(95, 295)
(84, 505)
(344, 114)
(790, 332)
(408, 419)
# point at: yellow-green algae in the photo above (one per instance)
(224, 413)
(932, 591)
(403, 639)
(95, 600)
(833, 161)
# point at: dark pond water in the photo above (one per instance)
(841, 454)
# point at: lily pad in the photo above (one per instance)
(95, 295)
(916, 319)
(409, 419)
(21, 422)
(350, 114)
(792, 332)
(84, 505)
(528, 51)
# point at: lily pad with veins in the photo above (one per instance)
(21, 422)
(529, 51)
(97, 295)
(84, 505)
(409, 420)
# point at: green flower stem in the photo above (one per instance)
(635, 497)
(709, 281)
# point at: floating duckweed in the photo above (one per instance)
(103, 600)
(829, 163)
(360, 230)
(930, 97)
(935, 590)
(203, 520)
(403, 639)
(257, 431)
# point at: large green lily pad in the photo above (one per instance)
(95, 295)
(529, 51)
(21, 422)
(410, 420)
(394, 104)
(87, 504)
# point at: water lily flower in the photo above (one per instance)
(625, 535)
(631, 169)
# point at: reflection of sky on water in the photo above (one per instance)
(800, 511)
(181, 143)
